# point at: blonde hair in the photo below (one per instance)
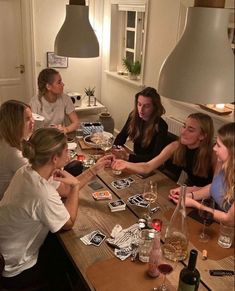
(135, 127)
(43, 145)
(203, 162)
(226, 135)
(45, 77)
(12, 122)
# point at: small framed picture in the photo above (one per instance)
(54, 61)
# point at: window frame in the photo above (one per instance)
(118, 30)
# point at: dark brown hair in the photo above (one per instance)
(134, 130)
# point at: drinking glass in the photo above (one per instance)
(207, 217)
(119, 153)
(165, 267)
(106, 144)
(150, 196)
(96, 138)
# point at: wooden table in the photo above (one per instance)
(93, 215)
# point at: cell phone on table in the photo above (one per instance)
(143, 176)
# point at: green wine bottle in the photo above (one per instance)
(189, 276)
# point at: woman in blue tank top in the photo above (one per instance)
(222, 186)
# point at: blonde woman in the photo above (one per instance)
(32, 205)
(222, 187)
(192, 152)
(16, 124)
(52, 103)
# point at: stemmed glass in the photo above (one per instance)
(106, 144)
(165, 267)
(150, 196)
(207, 216)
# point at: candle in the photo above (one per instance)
(219, 106)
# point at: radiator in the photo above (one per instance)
(174, 124)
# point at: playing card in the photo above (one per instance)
(143, 204)
(129, 179)
(95, 185)
(120, 184)
(137, 200)
(117, 205)
(86, 238)
(102, 195)
(97, 238)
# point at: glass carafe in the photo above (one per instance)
(176, 237)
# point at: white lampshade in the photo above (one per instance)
(76, 38)
(200, 69)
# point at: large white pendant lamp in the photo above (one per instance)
(200, 69)
(76, 38)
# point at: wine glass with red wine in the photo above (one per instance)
(165, 267)
(206, 212)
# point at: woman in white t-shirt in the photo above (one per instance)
(52, 103)
(16, 123)
(32, 205)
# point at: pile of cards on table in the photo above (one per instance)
(102, 195)
(94, 238)
(117, 205)
(138, 200)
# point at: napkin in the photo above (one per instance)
(124, 240)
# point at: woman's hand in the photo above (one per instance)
(65, 177)
(104, 162)
(119, 165)
(189, 202)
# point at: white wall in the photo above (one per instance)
(48, 18)
(161, 38)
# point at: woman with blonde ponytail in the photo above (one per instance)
(32, 205)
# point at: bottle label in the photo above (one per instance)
(186, 287)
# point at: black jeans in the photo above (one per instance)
(49, 274)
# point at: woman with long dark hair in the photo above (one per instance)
(145, 127)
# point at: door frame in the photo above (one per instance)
(27, 10)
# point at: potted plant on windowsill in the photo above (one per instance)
(90, 92)
(133, 68)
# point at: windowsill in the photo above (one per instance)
(125, 79)
(84, 106)
(197, 108)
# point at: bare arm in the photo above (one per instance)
(74, 122)
(71, 184)
(87, 175)
(145, 168)
(194, 192)
(218, 215)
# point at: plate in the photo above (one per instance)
(72, 145)
(89, 142)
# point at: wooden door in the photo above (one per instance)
(12, 64)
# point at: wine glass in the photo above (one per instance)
(150, 196)
(106, 143)
(207, 216)
(165, 267)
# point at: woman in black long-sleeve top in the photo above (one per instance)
(145, 127)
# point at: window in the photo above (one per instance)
(128, 34)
